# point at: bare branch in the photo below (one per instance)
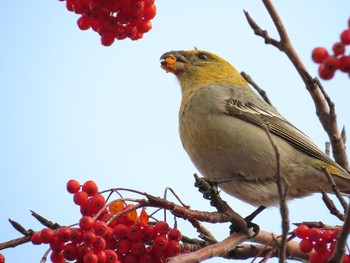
(331, 206)
(339, 249)
(262, 92)
(282, 187)
(215, 250)
(336, 189)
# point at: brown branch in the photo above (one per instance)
(204, 233)
(15, 242)
(335, 189)
(331, 206)
(44, 221)
(216, 250)
(210, 191)
(339, 249)
(292, 248)
(324, 106)
(261, 92)
(282, 187)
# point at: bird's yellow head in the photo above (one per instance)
(198, 68)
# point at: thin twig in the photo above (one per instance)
(331, 206)
(282, 187)
(339, 249)
(336, 189)
(262, 92)
(45, 221)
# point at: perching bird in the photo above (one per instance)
(224, 128)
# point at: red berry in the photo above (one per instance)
(130, 258)
(316, 258)
(101, 255)
(90, 187)
(100, 228)
(84, 23)
(338, 48)
(145, 258)
(85, 210)
(302, 231)
(320, 246)
(89, 237)
(137, 248)
(148, 233)
(328, 236)
(319, 54)
(107, 39)
(174, 234)
(162, 228)
(86, 223)
(130, 31)
(148, 2)
(346, 259)
(134, 232)
(149, 12)
(111, 256)
(63, 234)
(120, 231)
(137, 36)
(36, 240)
(174, 248)
(160, 243)
(70, 251)
(99, 244)
(157, 253)
(47, 235)
(325, 73)
(76, 235)
(83, 249)
(315, 234)
(90, 257)
(56, 245)
(345, 37)
(344, 64)
(136, 7)
(80, 198)
(331, 63)
(2, 258)
(123, 246)
(97, 202)
(57, 257)
(73, 186)
(144, 26)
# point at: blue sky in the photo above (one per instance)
(72, 108)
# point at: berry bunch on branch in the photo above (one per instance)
(114, 19)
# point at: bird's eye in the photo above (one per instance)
(203, 56)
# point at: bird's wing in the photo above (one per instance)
(276, 125)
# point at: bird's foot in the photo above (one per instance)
(250, 224)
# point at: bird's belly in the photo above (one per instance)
(227, 148)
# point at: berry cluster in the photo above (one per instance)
(321, 242)
(114, 19)
(107, 235)
(337, 61)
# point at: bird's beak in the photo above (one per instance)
(173, 61)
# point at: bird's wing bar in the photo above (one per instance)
(275, 124)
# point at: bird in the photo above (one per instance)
(229, 131)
